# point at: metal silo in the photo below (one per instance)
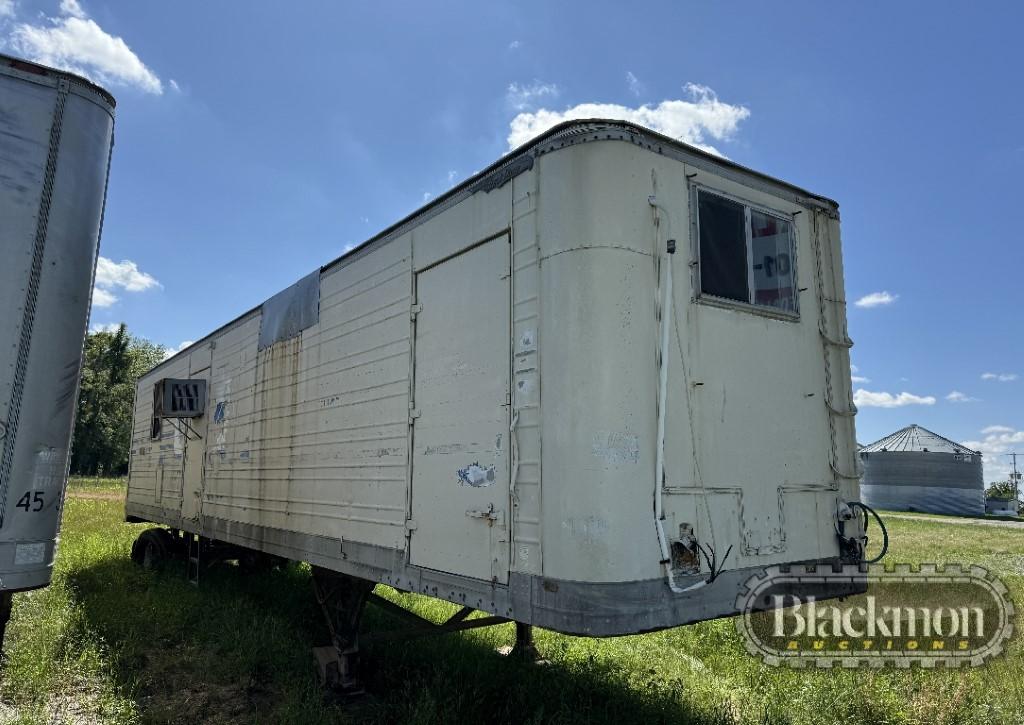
(915, 469)
(56, 134)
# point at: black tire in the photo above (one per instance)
(150, 550)
(173, 547)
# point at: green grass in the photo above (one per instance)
(109, 642)
(983, 517)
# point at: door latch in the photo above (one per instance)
(488, 514)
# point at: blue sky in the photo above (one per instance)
(256, 141)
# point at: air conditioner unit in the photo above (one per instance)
(175, 398)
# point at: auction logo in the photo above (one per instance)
(949, 616)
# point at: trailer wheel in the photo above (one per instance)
(150, 550)
(173, 547)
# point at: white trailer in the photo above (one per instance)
(542, 395)
(56, 135)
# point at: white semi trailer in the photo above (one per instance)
(546, 395)
(56, 135)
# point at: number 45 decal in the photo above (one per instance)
(31, 501)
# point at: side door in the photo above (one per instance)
(460, 468)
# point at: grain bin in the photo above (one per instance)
(56, 134)
(915, 469)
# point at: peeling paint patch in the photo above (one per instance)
(590, 530)
(220, 412)
(378, 452)
(47, 472)
(476, 475)
(616, 448)
(444, 449)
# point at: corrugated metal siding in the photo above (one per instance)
(932, 482)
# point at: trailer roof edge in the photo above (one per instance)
(565, 134)
(24, 68)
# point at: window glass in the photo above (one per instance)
(745, 254)
(772, 252)
(723, 248)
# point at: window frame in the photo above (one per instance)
(714, 300)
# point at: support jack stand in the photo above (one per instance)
(524, 649)
(342, 599)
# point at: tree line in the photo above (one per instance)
(112, 362)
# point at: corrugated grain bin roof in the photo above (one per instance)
(915, 439)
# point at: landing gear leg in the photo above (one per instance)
(524, 648)
(342, 599)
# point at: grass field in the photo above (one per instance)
(109, 642)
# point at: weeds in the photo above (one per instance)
(109, 642)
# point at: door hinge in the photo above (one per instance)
(410, 524)
(415, 310)
(414, 413)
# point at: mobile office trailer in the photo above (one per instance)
(541, 395)
(56, 135)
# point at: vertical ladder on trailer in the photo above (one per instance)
(194, 548)
(830, 308)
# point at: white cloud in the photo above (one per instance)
(859, 379)
(105, 327)
(635, 86)
(174, 85)
(427, 196)
(172, 351)
(996, 429)
(451, 176)
(124, 274)
(876, 299)
(523, 97)
(102, 298)
(691, 121)
(854, 368)
(1001, 377)
(6, 8)
(74, 42)
(957, 397)
(348, 247)
(515, 44)
(72, 8)
(867, 399)
(999, 440)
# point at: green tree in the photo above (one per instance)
(111, 364)
(1001, 489)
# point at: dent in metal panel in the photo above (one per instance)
(291, 311)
